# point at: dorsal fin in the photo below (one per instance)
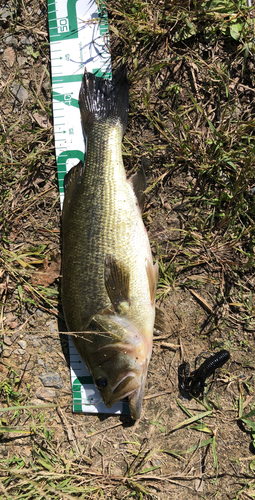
(138, 181)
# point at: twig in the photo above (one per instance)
(202, 301)
(103, 430)
(174, 347)
(39, 87)
(157, 394)
(69, 431)
(23, 373)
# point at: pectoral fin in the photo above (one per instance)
(117, 279)
(152, 273)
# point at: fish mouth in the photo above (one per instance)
(133, 388)
(136, 401)
(125, 387)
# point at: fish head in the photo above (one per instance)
(120, 362)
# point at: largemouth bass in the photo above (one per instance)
(109, 281)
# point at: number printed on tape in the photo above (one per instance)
(63, 25)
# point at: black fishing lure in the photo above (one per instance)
(193, 384)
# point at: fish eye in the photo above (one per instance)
(101, 382)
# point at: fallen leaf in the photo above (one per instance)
(47, 273)
(9, 57)
(199, 485)
(42, 120)
(9, 317)
(13, 324)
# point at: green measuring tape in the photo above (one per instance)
(78, 39)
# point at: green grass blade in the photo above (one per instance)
(27, 407)
(215, 454)
(15, 430)
(200, 445)
(189, 421)
(184, 409)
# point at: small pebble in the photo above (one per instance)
(7, 340)
(26, 450)
(8, 39)
(46, 85)
(6, 352)
(22, 61)
(27, 366)
(52, 380)
(13, 324)
(4, 13)
(40, 362)
(36, 343)
(19, 91)
(22, 344)
(19, 352)
(52, 326)
(24, 40)
(14, 337)
(157, 463)
(39, 312)
(45, 394)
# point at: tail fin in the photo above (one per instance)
(102, 100)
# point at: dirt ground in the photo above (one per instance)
(206, 284)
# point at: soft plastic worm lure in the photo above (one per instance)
(194, 383)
